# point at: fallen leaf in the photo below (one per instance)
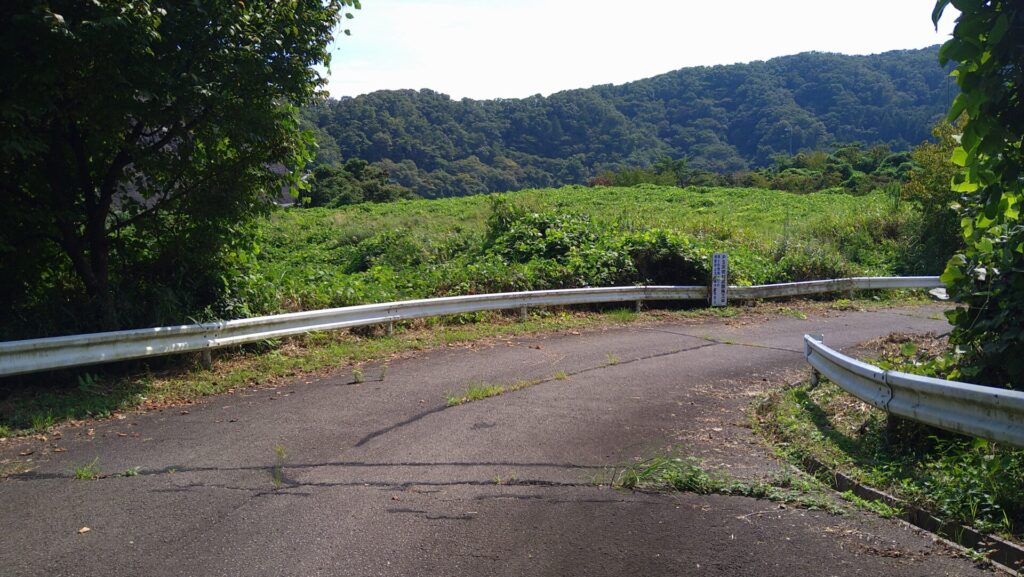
(184, 412)
(84, 530)
(122, 434)
(26, 453)
(59, 449)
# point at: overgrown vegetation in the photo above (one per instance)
(971, 481)
(851, 168)
(567, 238)
(535, 239)
(664, 473)
(985, 277)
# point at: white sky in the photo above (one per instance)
(516, 48)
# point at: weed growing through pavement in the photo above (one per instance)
(685, 474)
(88, 472)
(277, 475)
(357, 375)
(612, 360)
(561, 376)
(483, 391)
(130, 472)
(475, 393)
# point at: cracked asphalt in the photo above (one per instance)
(381, 478)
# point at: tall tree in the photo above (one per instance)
(135, 135)
(986, 277)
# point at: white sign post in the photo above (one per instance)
(719, 279)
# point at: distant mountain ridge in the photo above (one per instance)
(724, 118)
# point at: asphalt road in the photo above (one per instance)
(381, 478)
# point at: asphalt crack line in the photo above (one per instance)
(912, 316)
(724, 342)
(401, 485)
(413, 419)
(174, 470)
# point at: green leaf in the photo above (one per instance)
(965, 186)
(958, 107)
(959, 157)
(999, 30)
(940, 7)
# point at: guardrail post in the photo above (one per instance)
(206, 359)
(815, 375)
(895, 427)
(524, 314)
(390, 328)
(639, 305)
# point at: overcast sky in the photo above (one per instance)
(516, 48)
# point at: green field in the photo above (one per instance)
(568, 237)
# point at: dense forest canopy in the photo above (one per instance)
(723, 118)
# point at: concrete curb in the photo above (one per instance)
(1005, 555)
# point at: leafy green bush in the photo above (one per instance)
(809, 261)
(392, 248)
(663, 257)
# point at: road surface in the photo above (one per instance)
(332, 477)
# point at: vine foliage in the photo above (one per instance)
(986, 278)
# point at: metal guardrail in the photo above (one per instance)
(28, 356)
(986, 412)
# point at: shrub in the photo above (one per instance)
(394, 248)
(664, 257)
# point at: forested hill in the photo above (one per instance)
(722, 118)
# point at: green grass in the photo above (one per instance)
(89, 471)
(970, 481)
(622, 315)
(315, 258)
(612, 360)
(879, 508)
(483, 391)
(474, 393)
(130, 472)
(663, 473)
(748, 213)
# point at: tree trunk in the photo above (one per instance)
(87, 243)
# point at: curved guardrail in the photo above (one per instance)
(28, 356)
(987, 412)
